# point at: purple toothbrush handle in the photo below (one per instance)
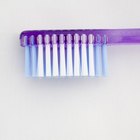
(115, 36)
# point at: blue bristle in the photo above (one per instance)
(33, 57)
(104, 57)
(27, 57)
(97, 53)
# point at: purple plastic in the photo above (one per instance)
(115, 36)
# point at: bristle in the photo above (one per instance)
(55, 71)
(69, 39)
(40, 64)
(62, 55)
(25, 41)
(32, 40)
(54, 39)
(27, 57)
(47, 55)
(83, 38)
(98, 59)
(104, 57)
(84, 66)
(61, 38)
(47, 39)
(33, 56)
(91, 55)
(76, 39)
(39, 39)
(69, 56)
(76, 55)
(90, 38)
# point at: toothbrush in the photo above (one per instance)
(70, 53)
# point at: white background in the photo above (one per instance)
(69, 109)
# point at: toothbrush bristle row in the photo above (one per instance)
(65, 54)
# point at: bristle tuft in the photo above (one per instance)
(39, 39)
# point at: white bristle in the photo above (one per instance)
(84, 66)
(47, 55)
(40, 65)
(83, 38)
(61, 38)
(39, 39)
(47, 39)
(69, 39)
(62, 55)
(76, 39)
(69, 55)
(76, 55)
(54, 39)
(90, 38)
(55, 71)
(91, 55)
